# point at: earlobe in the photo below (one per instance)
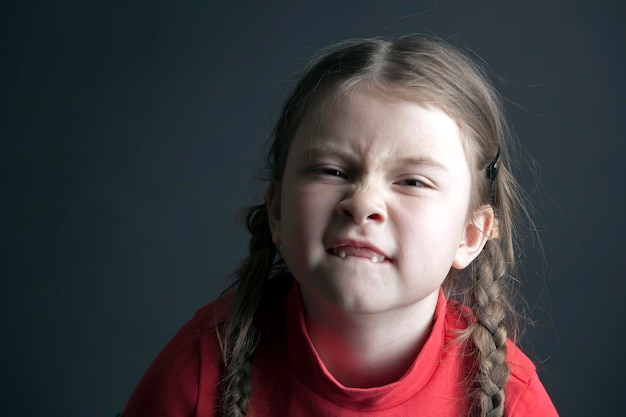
(272, 204)
(477, 232)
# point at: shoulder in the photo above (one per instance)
(187, 365)
(525, 394)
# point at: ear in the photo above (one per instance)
(272, 203)
(477, 232)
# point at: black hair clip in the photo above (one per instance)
(492, 168)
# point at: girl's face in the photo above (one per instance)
(372, 211)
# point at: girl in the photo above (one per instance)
(379, 263)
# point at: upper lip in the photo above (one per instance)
(358, 244)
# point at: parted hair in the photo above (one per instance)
(430, 72)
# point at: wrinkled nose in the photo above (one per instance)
(362, 206)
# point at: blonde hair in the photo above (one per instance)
(428, 71)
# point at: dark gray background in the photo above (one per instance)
(130, 132)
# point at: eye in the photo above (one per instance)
(329, 171)
(413, 182)
(333, 172)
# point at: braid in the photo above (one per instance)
(489, 332)
(240, 335)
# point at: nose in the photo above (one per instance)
(363, 205)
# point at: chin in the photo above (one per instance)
(361, 300)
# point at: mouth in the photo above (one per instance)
(365, 252)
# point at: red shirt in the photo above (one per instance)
(289, 379)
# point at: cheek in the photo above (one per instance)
(305, 202)
(303, 216)
(432, 233)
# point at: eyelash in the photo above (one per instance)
(333, 172)
(413, 182)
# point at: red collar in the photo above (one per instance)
(312, 373)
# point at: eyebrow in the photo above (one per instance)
(320, 151)
(422, 161)
(407, 161)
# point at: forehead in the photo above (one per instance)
(363, 122)
(332, 110)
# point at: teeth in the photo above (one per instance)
(377, 258)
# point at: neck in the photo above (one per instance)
(363, 350)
